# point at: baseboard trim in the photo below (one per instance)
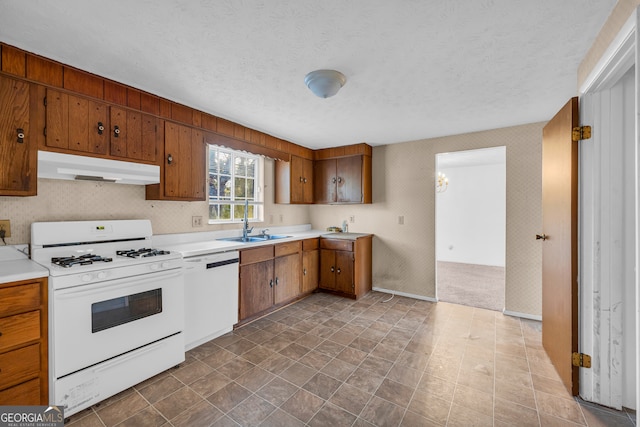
(404, 294)
(522, 315)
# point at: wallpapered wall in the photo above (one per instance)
(78, 200)
(403, 185)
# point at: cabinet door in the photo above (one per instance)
(349, 177)
(324, 175)
(184, 163)
(297, 180)
(287, 278)
(310, 270)
(256, 288)
(344, 272)
(327, 269)
(76, 124)
(17, 159)
(135, 138)
(307, 174)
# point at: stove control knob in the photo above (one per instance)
(86, 277)
(165, 264)
(153, 266)
(102, 275)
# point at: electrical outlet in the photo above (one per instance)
(5, 225)
(281, 218)
(352, 218)
(401, 220)
(196, 221)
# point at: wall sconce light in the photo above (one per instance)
(325, 83)
(442, 183)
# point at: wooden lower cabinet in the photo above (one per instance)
(345, 265)
(270, 276)
(310, 265)
(23, 343)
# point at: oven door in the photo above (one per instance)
(95, 322)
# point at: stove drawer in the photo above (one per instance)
(18, 299)
(19, 365)
(19, 329)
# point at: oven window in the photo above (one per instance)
(118, 311)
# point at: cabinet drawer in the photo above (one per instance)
(310, 244)
(19, 365)
(337, 244)
(19, 329)
(18, 299)
(22, 394)
(250, 256)
(287, 248)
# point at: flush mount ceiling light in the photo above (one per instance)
(325, 83)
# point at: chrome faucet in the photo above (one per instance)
(264, 232)
(245, 229)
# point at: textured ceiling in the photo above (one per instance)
(415, 68)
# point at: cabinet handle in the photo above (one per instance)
(305, 180)
(304, 271)
(301, 179)
(332, 269)
(271, 283)
(169, 159)
(116, 131)
(339, 180)
(20, 132)
(338, 270)
(333, 180)
(100, 128)
(277, 281)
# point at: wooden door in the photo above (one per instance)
(17, 159)
(349, 174)
(310, 270)
(324, 181)
(307, 184)
(327, 269)
(287, 278)
(256, 288)
(184, 163)
(344, 272)
(297, 180)
(75, 123)
(198, 166)
(136, 139)
(559, 240)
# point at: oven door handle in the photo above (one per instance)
(123, 283)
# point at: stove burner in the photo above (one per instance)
(80, 260)
(142, 252)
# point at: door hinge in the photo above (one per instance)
(580, 132)
(44, 131)
(581, 360)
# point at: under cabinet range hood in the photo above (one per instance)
(68, 166)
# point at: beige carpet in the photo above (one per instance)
(474, 285)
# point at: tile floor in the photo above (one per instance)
(330, 361)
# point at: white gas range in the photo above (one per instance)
(116, 307)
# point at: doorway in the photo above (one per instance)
(471, 227)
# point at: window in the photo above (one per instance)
(235, 177)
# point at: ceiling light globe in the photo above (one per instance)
(325, 83)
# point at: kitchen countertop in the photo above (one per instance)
(211, 245)
(16, 266)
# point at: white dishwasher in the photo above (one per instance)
(210, 296)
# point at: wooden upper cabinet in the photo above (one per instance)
(133, 135)
(294, 181)
(343, 180)
(17, 149)
(76, 124)
(184, 164)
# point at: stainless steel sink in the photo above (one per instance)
(252, 239)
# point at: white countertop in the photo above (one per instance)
(16, 266)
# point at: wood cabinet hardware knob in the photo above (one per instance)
(20, 135)
(541, 237)
(332, 269)
(338, 271)
(271, 283)
(277, 281)
(333, 180)
(169, 159)
(304, 271)
(339, 180)
(305, 180)
(100, 128)
(116, 131)
(301, 179)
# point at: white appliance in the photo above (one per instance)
(69, 166)
(116, 307)
(210, 296)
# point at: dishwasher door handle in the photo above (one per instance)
(223, 263)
